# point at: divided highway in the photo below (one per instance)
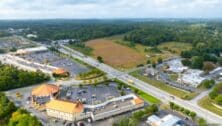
(163, 96)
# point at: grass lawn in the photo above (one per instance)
(161, 85)
(206, 103)
(148, 98)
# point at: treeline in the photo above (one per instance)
(13, 116)
(154, 34)
(204, 57)
(70, 29)
(11, 77)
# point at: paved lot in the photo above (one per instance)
(91, 94)
(58, 61)
(14, 42)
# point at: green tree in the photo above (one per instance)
(23, 118)
(218, 99)
(136, 91)
(220, 61)
(6, 108)
(213, 94)
(172, 105)
(159, 60)
(197, 62)
(193, 115)
(208, 83)
(186, 62)
(148, 62)
(202, 122)
(100, 59)
(80, 85)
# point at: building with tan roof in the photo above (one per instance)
(65, 110)
(60, 73)
(137, 101)
(44, 92)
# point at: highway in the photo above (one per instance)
(163, 96)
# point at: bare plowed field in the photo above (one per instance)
(115, 54)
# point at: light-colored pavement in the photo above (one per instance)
(200, 96)
(163, 96)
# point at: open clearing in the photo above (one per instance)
(116, 55)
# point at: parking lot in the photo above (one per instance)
(91, 94)
(7, 43)
(55, 60)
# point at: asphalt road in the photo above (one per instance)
(163, 96)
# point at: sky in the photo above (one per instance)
(87, 9)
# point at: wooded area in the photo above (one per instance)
(11, 77)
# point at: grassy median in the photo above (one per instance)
(147, 97)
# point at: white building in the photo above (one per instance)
(32, 50)
(168, 120)
(31, 36)
(192, 77)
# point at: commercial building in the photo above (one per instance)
(31, 50)
(71, 111)
(43, 93)
(168, 120)
(74, 111)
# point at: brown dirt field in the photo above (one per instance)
(115, 54)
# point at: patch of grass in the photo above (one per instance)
(207, 104)
(161, 85)
(175, 47)
(148, 98)
(126, 43)
(83, 49)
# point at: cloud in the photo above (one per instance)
(37, 9)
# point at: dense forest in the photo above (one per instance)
(11, 77)
(70, 29)
(13, 116)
